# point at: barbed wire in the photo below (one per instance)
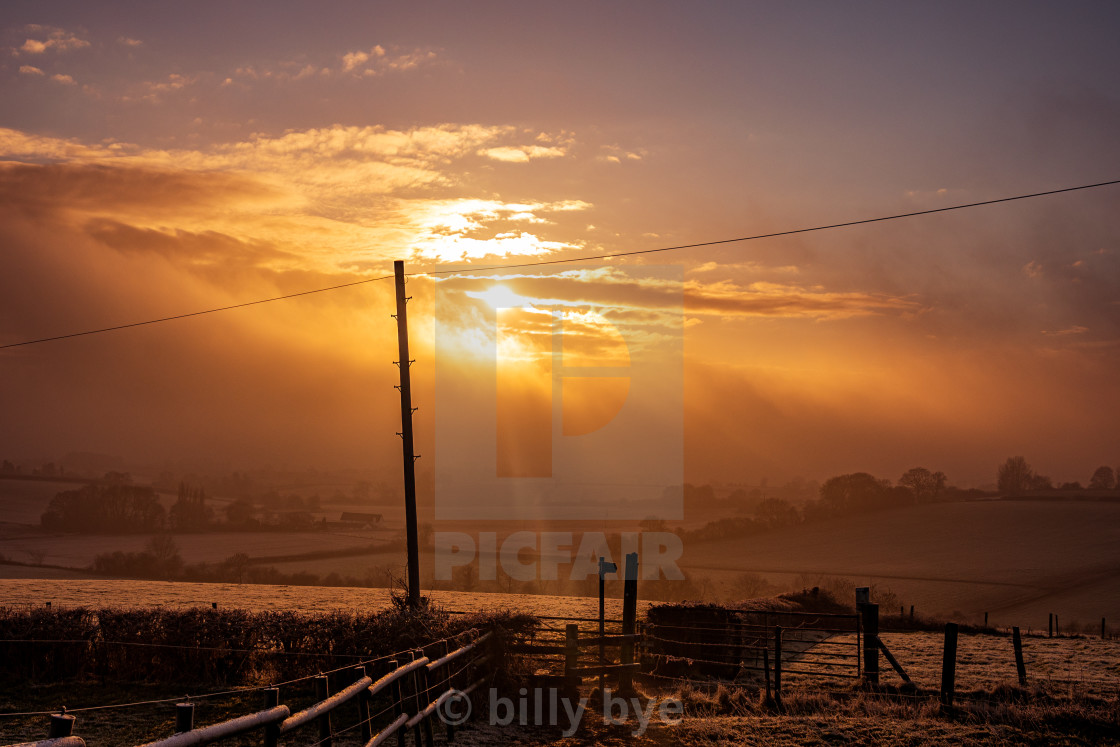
(242, 690)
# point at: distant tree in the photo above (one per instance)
(749, 586)
(1103, 479)
(239, 512)
(775, 512)
(105, 508)
(925, 485)
(1014, 476)
(166, 561)
(858, 491)
(190, 512)
(1071, 486)
(1041, 482)
(236, 564)
(8, 468)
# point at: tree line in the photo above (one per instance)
(838, 496)
(115, 505)
(1015, 477)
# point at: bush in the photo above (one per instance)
(216, 647)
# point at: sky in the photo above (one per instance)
(158, 159)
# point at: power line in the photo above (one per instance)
(193, 313)
(570, 260)
(778, 233)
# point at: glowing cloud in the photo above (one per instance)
(56, 39)
(522, 154)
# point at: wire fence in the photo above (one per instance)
(749, 647)
(410, 690)
(1058, 671)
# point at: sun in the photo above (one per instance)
(501, 297)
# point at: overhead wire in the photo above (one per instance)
(569, 260)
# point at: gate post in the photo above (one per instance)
(184, 717)
(322, 692)
(629, 617)
(571, 656)
(949, 666)
(870, 614)
(62, 724)
(271, 731)
(778, 665)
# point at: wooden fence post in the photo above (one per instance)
(571, 656)
(184, 717)
(766, 669)
(449, 728)
(426, 725)
(1102, 628)
(272, 731)
(1050, 626)
(363, 706)
(322, 692)
(870, 614)
(396, 694)
(778, 665)
(414, 677)
(629, 617)
(949, 666)
(62, 724)
(1020, 667)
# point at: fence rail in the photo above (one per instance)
(408, 687)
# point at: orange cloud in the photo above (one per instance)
(54, 39)
(784, 300)
(521, 154)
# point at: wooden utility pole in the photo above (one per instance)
(405, 388)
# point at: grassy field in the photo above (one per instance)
(1075, 666)
(78, 551)
(1017, 560)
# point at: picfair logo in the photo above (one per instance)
(559, 395)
